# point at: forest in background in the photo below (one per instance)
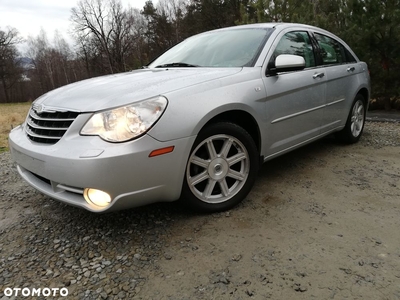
(109, 38)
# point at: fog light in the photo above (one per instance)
(97, 197)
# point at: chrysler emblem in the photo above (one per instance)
(38, 108)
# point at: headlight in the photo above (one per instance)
(125, 123)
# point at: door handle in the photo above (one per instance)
(351, 69)
(318, 75)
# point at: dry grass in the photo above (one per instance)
(11, 115)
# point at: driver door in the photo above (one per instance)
(295, 100)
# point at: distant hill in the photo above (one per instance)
(26, 63)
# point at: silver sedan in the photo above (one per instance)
(196, 123)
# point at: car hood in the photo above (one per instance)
(120, 89)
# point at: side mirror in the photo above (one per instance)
(287, 63)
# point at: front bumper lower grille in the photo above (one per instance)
(48, 127)
(58, 187)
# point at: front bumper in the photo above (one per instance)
(124, 170)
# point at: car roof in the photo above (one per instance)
(280, 25)
(271, 25)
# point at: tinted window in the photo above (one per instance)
(296, 43)
(332, 51)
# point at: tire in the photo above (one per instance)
(221, 169)
(353, 130)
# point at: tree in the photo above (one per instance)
(203, 15)
(138, 33)
(374, 34)
(107, 27)
(52, 64)
(10, 69)
(64, 56)
(175, 11)
(42, 56)
(159, 34)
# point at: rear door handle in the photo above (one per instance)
(318, 75)
(351, 69)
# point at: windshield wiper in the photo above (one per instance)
(176, 65)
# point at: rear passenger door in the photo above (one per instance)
(340, 70)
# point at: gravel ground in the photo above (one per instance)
(321, 223)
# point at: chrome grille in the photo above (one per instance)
(48, 127)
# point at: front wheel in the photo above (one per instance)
(351, 133)
(221, 168)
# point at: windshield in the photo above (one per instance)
(225, 48)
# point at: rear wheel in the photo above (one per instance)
(221, 168)
(352, 132)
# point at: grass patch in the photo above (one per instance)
(11, 115)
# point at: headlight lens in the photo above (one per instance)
(125, 123)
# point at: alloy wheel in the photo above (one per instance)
(357, 118)
(218, 168)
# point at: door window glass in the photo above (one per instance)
(332, 51)
(296, 43)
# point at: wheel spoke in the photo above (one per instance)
(226, 147)
(224, 187)
(200, 162)
(199, 178)
(235, 175)
(211, 149)
(360, 110)
(354, 129)
(236, 158)
(209, 188)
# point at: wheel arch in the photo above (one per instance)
(242, 119)
(365, 93)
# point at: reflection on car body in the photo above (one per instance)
(197, 122)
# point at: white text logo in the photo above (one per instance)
(27, 292)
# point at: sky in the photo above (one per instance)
(29, 16)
